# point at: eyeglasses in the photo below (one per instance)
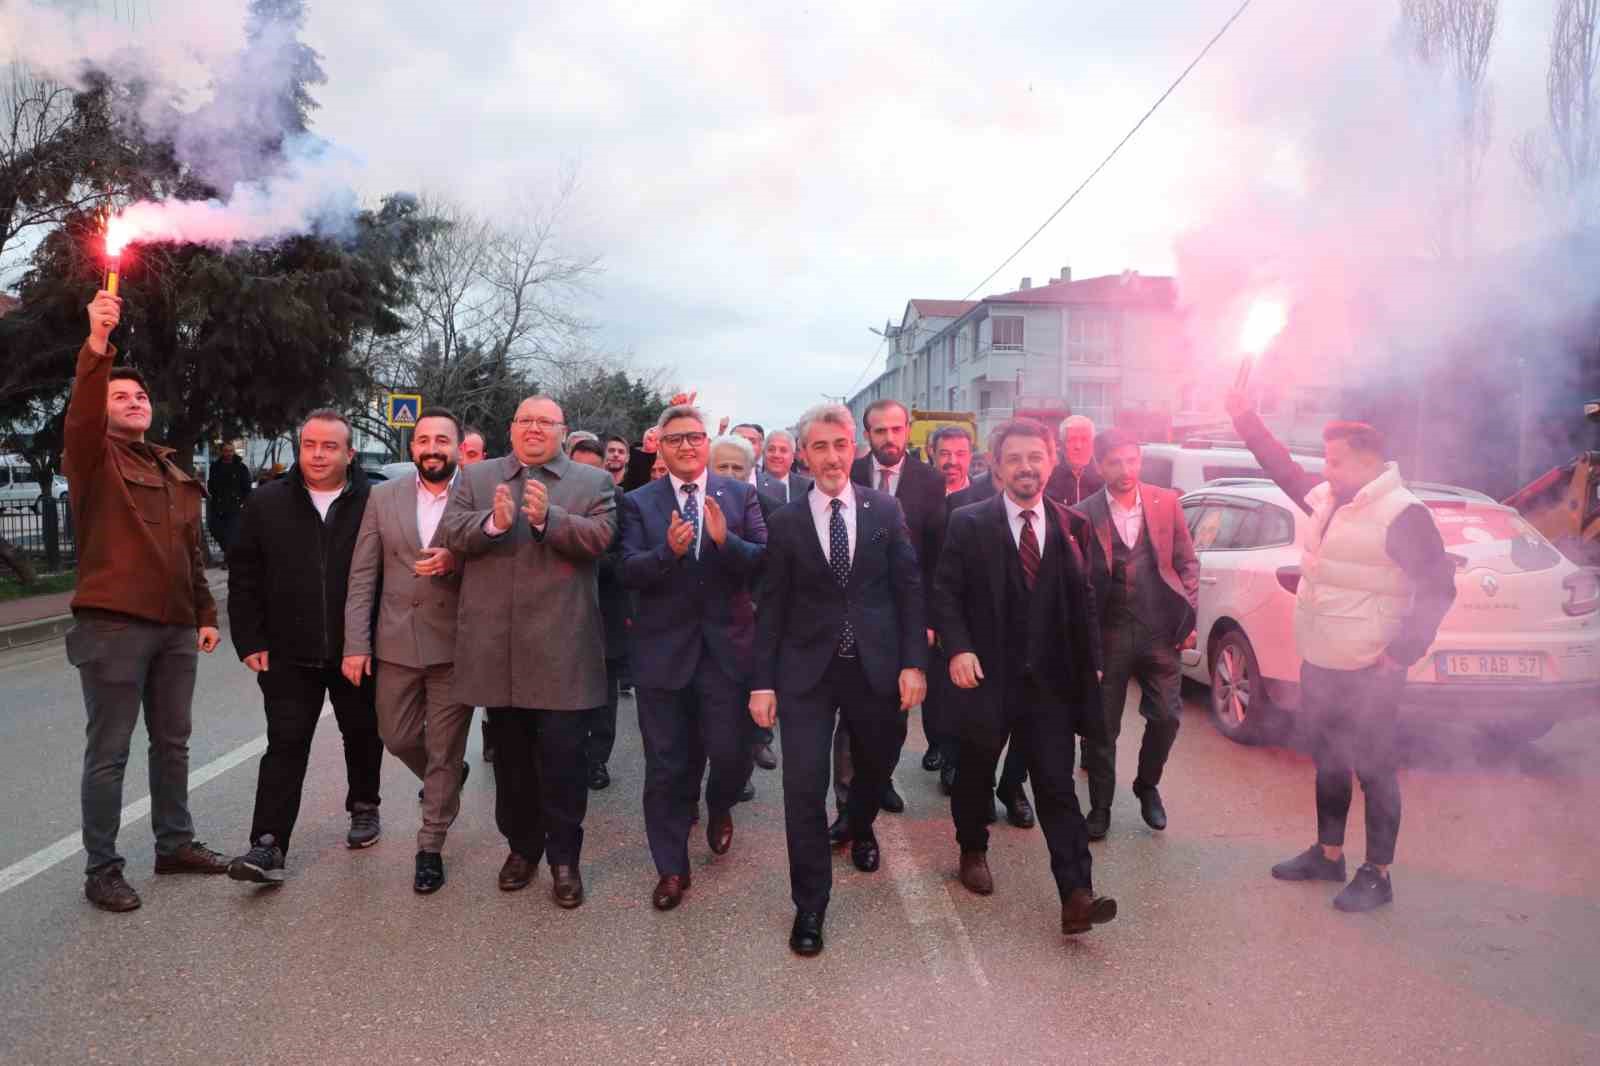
(676, 440)
(546, 424)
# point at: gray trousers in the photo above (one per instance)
(125, 663)
(425, 729)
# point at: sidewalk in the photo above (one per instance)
(39, 618)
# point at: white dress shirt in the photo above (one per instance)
(1014, 520)
(430, 508)
(822, 518)
(699, 503)
(894, 472)
(1127, 520)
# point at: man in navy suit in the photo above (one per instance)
(692, 542)
(842, 635)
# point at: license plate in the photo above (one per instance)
(1491, 666)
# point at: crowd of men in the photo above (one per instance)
(734, 595)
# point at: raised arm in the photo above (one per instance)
(85, 431)
(1274, 458)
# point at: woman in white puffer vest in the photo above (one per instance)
(1375, 584)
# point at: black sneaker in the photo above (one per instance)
(261, 865)
(1310, 865)
(108, 890)
(365, 827)
(1367, 890)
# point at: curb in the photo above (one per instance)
(55, 627)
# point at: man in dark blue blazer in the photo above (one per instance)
(842, 635)
(692, 542)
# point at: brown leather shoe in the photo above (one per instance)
(975, 872)
(719, 832)
(108, 891)
(1084, 909)
(192, 858)
(568, 890)
(669, 891)
(516, 873)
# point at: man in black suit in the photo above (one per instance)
(1147, 584)
(1013, 606)
(919, 488)
(614, 609)
(842, 634)
(692, 542)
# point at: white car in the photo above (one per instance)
(1185, 467)
(19, 490)
(1518, 651)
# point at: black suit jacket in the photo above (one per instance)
(969, 611)
(615, 602)
(920, 490)
(978, 489)
(803, 609)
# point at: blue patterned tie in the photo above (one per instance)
(691, 515)
(839, 560)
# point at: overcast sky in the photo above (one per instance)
(763, 182)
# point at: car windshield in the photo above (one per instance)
(1493, 538)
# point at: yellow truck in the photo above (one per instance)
(924, 423)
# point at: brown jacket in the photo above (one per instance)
(136, 514)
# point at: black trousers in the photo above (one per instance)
(541, 786)
(877, 729)
(1132, 652)
(708, 721)
(292, 695)
(1041, 727)
(1350, 717)
(603, 719)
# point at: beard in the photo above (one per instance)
(443, 472)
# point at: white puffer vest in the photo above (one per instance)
(1353, 597)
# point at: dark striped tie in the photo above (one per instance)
(1028, 548)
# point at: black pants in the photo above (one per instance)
(603, 719)
(224, 529)
(877, 729)
(1132, 652)
(1042, 729)
(293, 695)
(541, 786)
(1350, 718)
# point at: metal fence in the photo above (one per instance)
(24, 527)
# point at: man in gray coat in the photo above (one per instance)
(398, 552)
(530, 646)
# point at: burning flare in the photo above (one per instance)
(1262, 324)
(119, 233)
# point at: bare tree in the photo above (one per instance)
(40, 159)
(1453, 39)
(1564, 160)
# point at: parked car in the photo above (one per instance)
(1187, 466)
(19, 490)
(1518, 652)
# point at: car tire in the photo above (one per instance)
(1238, 703)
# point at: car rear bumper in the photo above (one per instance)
(1467, 701)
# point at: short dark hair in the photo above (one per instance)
(950, 431)
(1359, 435)
(620, 440)
(473, 431)
(442, 412)
(752, 425)
(1109, 440)
(584, 444)
(878, 405)
(1020, 427)
(128, 373)
(328, 414)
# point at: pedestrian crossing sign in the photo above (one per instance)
(403, 409)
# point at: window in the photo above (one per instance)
(1218, 526)
(955, 399)
(1097, 394)
(950, 350)
(1157, 470)
(1211, 473)
(1074, 327)
(983, 400)
(1007, 334)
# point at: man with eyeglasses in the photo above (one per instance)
(530, 646)
(692, 543)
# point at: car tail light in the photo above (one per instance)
(1583, 592)
(1289, 578)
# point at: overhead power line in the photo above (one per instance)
(1113, 153)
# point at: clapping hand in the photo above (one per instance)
(716, 522)
(680, 535)
(505, 509)
(652, 437)
(535, 502)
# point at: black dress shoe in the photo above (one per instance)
(765, 757)
(1019, 812)
(669, 892)
(568, 888)
(599, 776)
(719, 832)
(839, 831)
(947, 778)
(932, 760)
(1098, 823)
(516, 873)
(430, 872)
(806, 936)
(1155, 815)
(864, 853)
(892, 801)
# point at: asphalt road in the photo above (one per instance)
(1491, 953)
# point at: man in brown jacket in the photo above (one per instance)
(141, 611)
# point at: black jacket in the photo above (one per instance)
(1072, 489)
(226, 486)
(920, 490)
(978, 489)
(616, 604)
(289, 569)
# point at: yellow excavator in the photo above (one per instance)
(1564, 503)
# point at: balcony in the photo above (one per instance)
(998, 363)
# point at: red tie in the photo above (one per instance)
(1028, 546)
(883, 480)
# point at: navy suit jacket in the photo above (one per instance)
(685, 604)
(803, 609)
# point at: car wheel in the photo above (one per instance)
(1238, 698)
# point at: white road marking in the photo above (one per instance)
(68, 846)
(933, 917)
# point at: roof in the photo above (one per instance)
(943, 308)
(1129, 288)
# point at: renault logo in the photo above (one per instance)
(1490, 585)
